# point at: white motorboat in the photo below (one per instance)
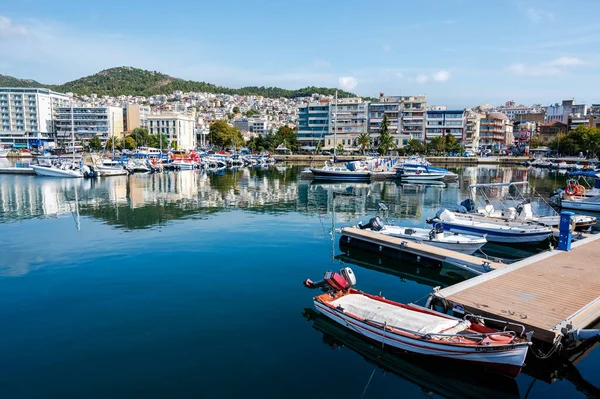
(341, 173)
(420, 175)
(65, 170)
(182, 164)
(436, 236)
(523, 210)
(589, 204)
(105, 171)
(507, 232)
(419, 330)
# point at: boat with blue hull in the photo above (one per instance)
(494, 231)
(340, 173)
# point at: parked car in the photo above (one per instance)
(325, 153)
(469, 154)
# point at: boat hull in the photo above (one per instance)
(462, 247)
(320, 174)
(581, 205)
(505, 237)
(507, 361)
(55, 172)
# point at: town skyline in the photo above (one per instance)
(528, 51)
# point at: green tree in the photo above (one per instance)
(386, 142)
(287, 135)
(340, 148)
(364, 141)
(535, 141)
(236, 110)
(129, 143)
(95, 143)
(251, 112)
(591, 141)
(451, 144)
(174, 145)
(118, 144)
(414, 146)
(437, 145)
(222, 135)
(140, 135)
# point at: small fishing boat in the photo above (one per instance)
(341, 173)
(419, 175)
(63, 170)
(508, 232)
(436, 236)
(416, 329)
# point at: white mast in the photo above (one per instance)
(113, 134)
(72, 131)
(335, 126)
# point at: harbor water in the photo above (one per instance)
(188, 284)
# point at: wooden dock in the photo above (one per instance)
(17, 171)
(551, 294)
(393, 246)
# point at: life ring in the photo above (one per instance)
(580, 190)
(571, 189)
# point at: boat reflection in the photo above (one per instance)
(433, 376)
(442, 277)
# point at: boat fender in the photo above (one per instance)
(439, 301)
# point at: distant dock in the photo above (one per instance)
(16, 171)
(552, 293)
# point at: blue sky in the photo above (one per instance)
(458, 52)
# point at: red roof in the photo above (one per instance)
(553, 123)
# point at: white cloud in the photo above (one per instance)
(559, 66)
(320, 63)
(441, 76)
(422, 78)
(387, 48)
(537, 16)
(347, 82)
(399, 75)
(9, 30)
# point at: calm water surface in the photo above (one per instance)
(189, 285)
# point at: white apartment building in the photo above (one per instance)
(472, 125)
(348, 118)
(87, 122)
(178, 127)
(412, 116)
(441, 122)
(256, 125)
(27, 115)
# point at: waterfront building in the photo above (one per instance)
(493, 130)
(550, 131)
(179, 128)
(412, 116)
(562, 112)
(104, 122)
(513, 111)
(27, 115)
(135, 116)
(313, 122)
(350, 117)
(388, 106)
(257, 125)
(535, 117)
(441, 122)
(578, 119)
(472, 129)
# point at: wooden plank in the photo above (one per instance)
(550, 292)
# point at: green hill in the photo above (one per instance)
(139, 82)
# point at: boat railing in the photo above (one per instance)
(475, 336)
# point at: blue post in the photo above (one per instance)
(564, 231)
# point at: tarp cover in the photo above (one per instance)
(370, 309)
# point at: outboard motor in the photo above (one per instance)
(339, 281)
(437, 231)
(468, 205)
(375, 224)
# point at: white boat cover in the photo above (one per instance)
(395, 316)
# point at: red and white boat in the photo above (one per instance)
(415, 329)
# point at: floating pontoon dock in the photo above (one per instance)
(415, 251)
(17, 171)
(552, 293)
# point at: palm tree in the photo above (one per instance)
(386, 142)
(363, 140)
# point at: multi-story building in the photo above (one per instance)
(388, 106)
(27, 115)
(87, 122)
(135, 116)
(493, 130)
(562, 112)
(472, 129)
(179, 128)
(256, 125)
(441, 122)
(348, 118)
(551, 130)
(412, 116)
(313, 122)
